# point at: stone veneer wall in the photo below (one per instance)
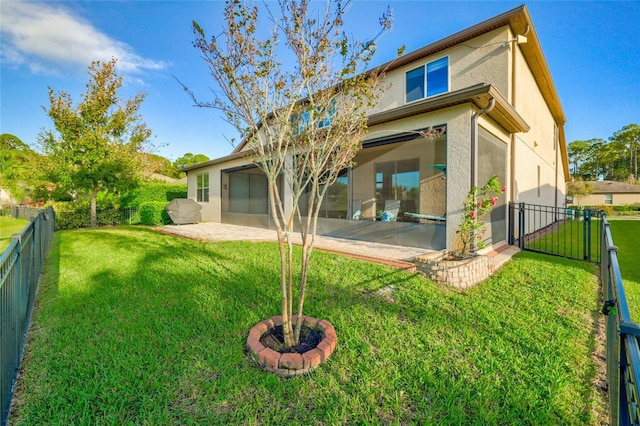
(463, 273)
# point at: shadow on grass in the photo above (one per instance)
(134, 326)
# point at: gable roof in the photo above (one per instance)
(519, 20)
(613, 187)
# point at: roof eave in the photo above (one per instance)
(479, 95)
(232, 156)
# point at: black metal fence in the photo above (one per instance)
(623, 351)
(585, 234)
(20, 268)
(567, 232)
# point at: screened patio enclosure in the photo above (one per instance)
(395, 193)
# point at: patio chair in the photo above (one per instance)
(391, 209)
(356, 208)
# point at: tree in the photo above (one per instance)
(16, 166)
(96, 144)
(628, 140)
(579, 189)
(189, 159)
(157, 164)
(578, 152)
(615, 159)
(303, 123)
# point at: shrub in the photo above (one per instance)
(628, 208)
(70, 215)
(72, 219)
(479, 202)
(153, 213)
(153, 192)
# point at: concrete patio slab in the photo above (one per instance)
(396, 256)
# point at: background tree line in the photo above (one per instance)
(614, 159)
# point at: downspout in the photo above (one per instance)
(557, 147)
(474, 155)
(474, 140)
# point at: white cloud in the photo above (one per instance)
(43, 36)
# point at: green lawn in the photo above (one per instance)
(8, 227)
(567, 240)
(626, 235)
(135, 327)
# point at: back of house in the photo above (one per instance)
(490, 92)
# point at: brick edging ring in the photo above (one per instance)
(292, 364)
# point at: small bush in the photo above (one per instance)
(628, 213)
(73, 219)
(153, 213)
(628, 208)
(605, 208)
(74, 216)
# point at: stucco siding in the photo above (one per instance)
(534, 177)
(533, 108)
(480, 60)
(617, 199)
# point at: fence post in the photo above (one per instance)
(586, 234)
(511, 224)
(521, 226)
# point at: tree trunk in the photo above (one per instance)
(94, 202)
(285, 264)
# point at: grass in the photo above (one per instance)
(132, 326)
(626, 234)
(567, 240)
(8, 227)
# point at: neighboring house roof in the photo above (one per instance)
(612, 187)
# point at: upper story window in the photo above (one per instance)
(321, 118)
(608, 198)
(202, 194)
(428, 80)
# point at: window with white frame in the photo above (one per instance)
(608, 198)
(202, 194)
(428, 80)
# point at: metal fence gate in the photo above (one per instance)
(568, 232)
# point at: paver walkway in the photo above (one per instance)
(397, 256)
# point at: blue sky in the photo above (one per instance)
(592, 49)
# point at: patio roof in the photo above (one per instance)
(479, 95)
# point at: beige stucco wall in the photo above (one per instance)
(534, 170)
(480, 60)
(536, 152)
(211, 211)
(618, 199)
